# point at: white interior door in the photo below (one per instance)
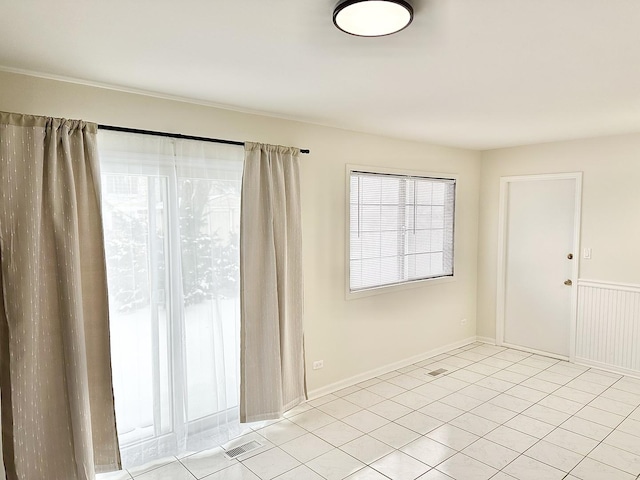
(540, 263)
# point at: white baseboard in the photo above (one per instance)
(607, 368)
(489, 340)
(348, 382)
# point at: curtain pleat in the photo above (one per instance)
(58, 417)
(272, 352)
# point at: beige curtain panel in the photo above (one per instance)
(58, 417)
(271, 347)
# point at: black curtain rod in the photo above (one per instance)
(175, 135)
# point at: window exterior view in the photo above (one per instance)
(171, 243)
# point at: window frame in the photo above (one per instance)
(408, 284)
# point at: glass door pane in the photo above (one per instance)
(209, 212)
(135, 223)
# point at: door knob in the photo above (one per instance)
(570, 256)
(568, 282)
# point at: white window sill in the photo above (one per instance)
(427, 282)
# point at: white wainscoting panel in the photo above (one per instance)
(608, 326)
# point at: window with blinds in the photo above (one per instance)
(401, 229)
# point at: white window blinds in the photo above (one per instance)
(401, 229)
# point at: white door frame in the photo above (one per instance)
(502, 242)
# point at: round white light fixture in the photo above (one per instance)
(372, 18)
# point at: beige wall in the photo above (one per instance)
(610, 208)
(352, 337)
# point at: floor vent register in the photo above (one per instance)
(242, 449)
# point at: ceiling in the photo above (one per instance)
(479, 74)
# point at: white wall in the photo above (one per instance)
(352, 337)
(610, 208)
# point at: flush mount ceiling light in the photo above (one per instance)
(372, 18)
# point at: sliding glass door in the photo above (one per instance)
(136, 244)
(171, 218)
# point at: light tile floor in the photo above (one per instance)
(497, 413)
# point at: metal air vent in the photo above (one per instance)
(242, 449)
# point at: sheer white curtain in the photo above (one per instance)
(172, 220)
